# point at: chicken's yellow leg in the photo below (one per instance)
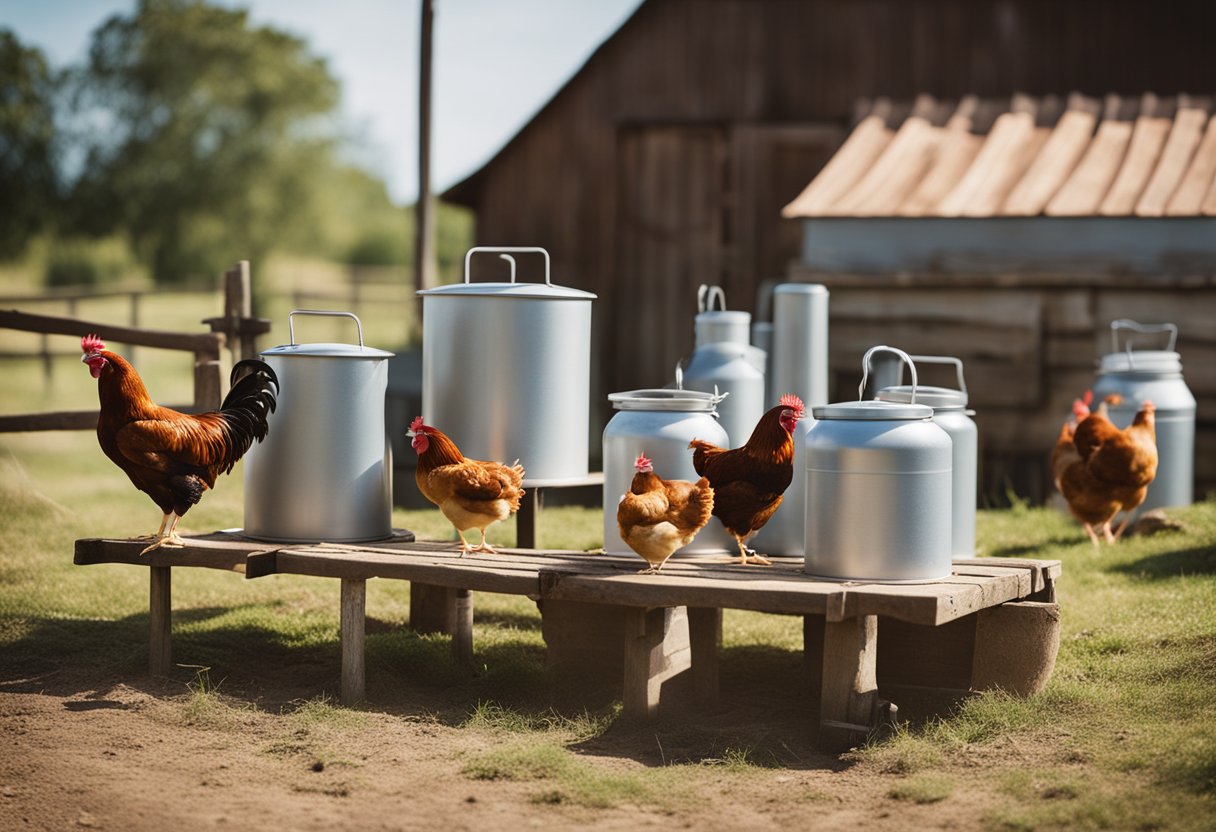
(1089, 529)
(1122, 526)
(483, 546)
(749, 555)
(464, 544)
(169, 540)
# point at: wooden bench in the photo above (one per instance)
(993, 623)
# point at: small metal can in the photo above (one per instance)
(659, 423)
(1156, 376)
(951, 414)
(878, 490)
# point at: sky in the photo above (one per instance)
(496, 63)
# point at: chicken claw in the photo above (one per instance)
(168, 541)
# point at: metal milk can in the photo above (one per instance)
(659, 423)
(324, 471)
(724, 361)
(878, 489)
(800, 366)
(506, 370)
(951, 414)
(1156, 376)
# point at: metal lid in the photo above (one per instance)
(938, 398)
(801, 288)
(544, 290)
(1141, 361)
(328, 351)
(873, 411)
(689, 401)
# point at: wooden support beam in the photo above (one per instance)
(160, 625)
(705, 637)
(527, 520)
(462, 626)
(850, 685)
(354, 600)
(656, 649)
(433, 609)
(812, 649)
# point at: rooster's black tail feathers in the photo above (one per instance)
(249, 403)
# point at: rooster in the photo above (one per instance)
(174, 457)
(1102, 470)
(656, 516)
(749, 481)
(471, 494)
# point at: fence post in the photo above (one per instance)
(207, 380)
(238, 307)
(134, 324)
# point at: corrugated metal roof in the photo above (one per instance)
(1140, 156)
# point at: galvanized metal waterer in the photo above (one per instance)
(878, 489)
(506, 370)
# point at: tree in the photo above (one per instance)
(201, 135)
(27, 142)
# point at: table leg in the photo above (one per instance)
(462, 626)
(527, 520)
(656, 649)
(160, 646)
(705, 637)
(354, 603)
(849, 690)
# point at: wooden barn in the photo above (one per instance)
(667, 161)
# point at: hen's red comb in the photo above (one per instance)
(792, 401)
(416, 426)
(643, 463)
(1088, 398)
(92, 343)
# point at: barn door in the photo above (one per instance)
(672, 185)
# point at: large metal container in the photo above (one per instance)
(659, 423)
(951, 414)
(1156, 376)
(506, 370)
(800, 366)
(878, 490)
(324, 471)
(724, 362)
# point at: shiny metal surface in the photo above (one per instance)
(785, 531)
(715, 323)
(506, 372)
(878, 493)
(1156, 376)
(800, 342)
(324, 471)
(663, 435)
(762, 339)
(725, 367)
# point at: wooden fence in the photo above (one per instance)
(234, 329)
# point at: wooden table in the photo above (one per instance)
(993, 623)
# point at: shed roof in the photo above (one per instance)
(1143, 156)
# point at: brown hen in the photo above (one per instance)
(656, 516)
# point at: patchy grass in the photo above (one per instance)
(924, 788)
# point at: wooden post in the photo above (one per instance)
(160, 625)
(527, 520)
(238, 307)
(705, 637)
(850, 684)
(462, 626)
(656, 649)
(207, 382)
(133, 322)
(354, 598)
(433, 609)
(424, 217)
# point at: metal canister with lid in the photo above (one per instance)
(951, 414)
(659, 423)
(506, 370)
(878, 489)
(324, 471)
(1153, 375)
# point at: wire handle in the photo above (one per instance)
(1143, 329)
(865, 368)
(291, 324)
(706, 295)
(944, 359)
(506, 250)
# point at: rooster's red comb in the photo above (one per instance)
(643, 463)
(791, 401)
(416, 426)
(92, 343)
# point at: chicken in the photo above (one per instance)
(1102, 470)
(749, 481)
(656, 516)
(174, 457)
(471, 494)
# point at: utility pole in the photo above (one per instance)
(424, 214)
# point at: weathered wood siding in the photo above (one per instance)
(1030, 345)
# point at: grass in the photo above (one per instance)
(1121, 738)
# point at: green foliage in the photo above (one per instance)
(88, 262)
(213, 132)
(27, 142)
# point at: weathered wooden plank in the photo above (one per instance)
(352, 624)
(849, 690)
(462, 632)
(1143, 151)
(160, 624)
(206, 552)
(867, 141)
(1199, 177)
(1047, 174)
(996, 166)
(366, 565)
(957, 147)
(656, 649)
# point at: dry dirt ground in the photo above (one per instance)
(144, 754)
